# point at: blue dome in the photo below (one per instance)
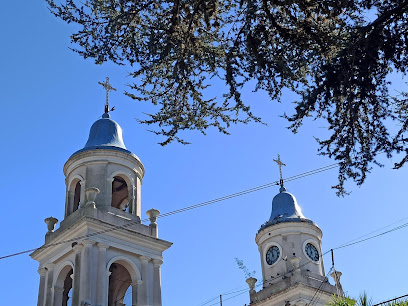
(105, 133)
(285, 206)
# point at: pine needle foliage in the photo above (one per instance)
(335, 55)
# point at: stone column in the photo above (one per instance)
(157, 282)
(50, 278)
(82, 199)
(108, 201)
(57, 295)
(41, 289)
(143, 292)
(136, 287)
(138, 195)
(68, 196)
(132, 198)
(86, 284)
(77, 274)
(102, 283)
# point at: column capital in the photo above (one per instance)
(157, 262)
(88, 242)
(42, 271)
(137, 283)
(77, 248)
(50, 266)
(57, 289)
(102, 246)
(144, 258)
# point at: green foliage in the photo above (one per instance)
(346, 301)
(362, 300)
(342, 301)
(248, 274)
(400, 303)
(328, 52)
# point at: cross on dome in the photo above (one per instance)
(108, 87)
(280, 164)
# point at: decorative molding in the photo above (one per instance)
(144, 258)
(77, 248)
(57, 289)
(102, 246)
(137, 283)
(72, 178)
(128, 264)
(42, 271)
(88, 242)
(50, 266)
(157, 262)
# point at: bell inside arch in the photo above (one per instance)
(120, 194)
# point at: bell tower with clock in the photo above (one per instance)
(290, 247)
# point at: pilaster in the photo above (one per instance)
(157, 282)
(102, 287)
(41, 289)
(86, 283)
(144, 289)
(136, 290)
(77, 274)
(50, 278)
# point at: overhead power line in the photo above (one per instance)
(227, 197)
(350, 243)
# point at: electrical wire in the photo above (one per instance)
(344, 246)
(213, 201)
(326, 280)
(372, 237)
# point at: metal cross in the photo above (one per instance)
(280, 164)
(108, 87)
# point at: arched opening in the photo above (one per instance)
(120, 194)
(67, 290)
(63, 287)
(120, 290)
(77, 196)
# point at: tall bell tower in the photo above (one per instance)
(290, 248)
(101, 253)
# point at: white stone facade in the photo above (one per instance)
(293, 274)
(101, 249)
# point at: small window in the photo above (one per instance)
(120, 194)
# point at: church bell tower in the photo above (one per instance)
(290, 248)
(102, 254)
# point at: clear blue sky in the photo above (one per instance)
(50, 98)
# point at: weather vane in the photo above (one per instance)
(108, 87)
(280, 164)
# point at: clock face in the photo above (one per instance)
(312, 252)
(272, 255)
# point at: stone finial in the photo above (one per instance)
(153, 214)
(295, 262)
(91, 194)
(251, 283)
(336, 276)
(51, 222)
